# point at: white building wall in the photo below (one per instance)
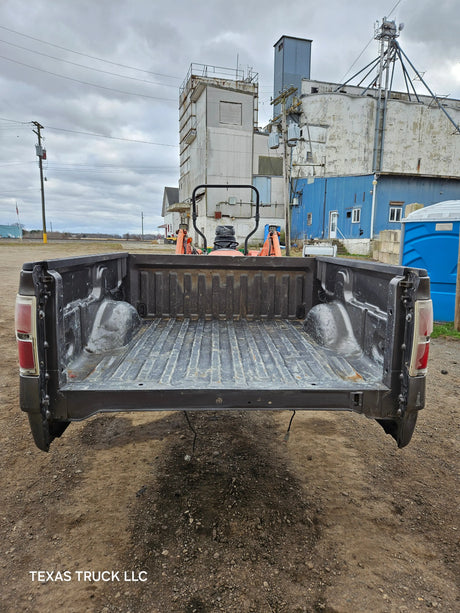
(339, 130)
(173, 221)
(223, 151)
(420, 140)
(193, 168)
(229, 149)
(219, 146)
(229, 160)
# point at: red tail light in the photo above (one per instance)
(423, 327)
(26, 356)
(26, 335)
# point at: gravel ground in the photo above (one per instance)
(337, 519)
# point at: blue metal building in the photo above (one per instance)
(341, 207)
(292, 64)
(11, 231)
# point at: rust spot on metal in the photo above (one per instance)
(355, 377)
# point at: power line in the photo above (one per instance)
(101, 169)
(129, 140)
(158, 74)
(119, 91)
(15, 121)
(357, 59)
(395, 7)
(13, 128)
(58, 164)
(91, 168)
(22, 189)
(115, 74)
(86, 172)
(16, 163)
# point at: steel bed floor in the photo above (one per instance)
(276, 354)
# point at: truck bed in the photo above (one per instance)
(171, 354)
(147, 332)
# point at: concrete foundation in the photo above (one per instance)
(358, 246)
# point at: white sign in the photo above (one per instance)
(444, 227)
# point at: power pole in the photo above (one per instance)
(284, 95)
(41, 154)
(19, 221)
(142, 222)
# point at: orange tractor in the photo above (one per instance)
(224, 241)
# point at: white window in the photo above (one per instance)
(395, 213)
(230, 113)
(356, 216)
(309, 219)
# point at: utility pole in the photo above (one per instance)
(19, 221)
(142, 222)
(41, 155)
(284, 95)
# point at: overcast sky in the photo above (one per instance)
(114, 67)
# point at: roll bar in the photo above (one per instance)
(206, 186)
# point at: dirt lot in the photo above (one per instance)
(337, 519)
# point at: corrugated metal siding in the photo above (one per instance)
(292, 63)
(342, 194)
(425, 190)
(323, 195)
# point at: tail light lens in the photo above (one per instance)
(423, 327)
(26, 334)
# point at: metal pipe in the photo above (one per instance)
(374, 200)
(372, 82)
(324, 206)
(355, 75)
(435, 98)
(257, 217)
(365, 77)
(385, 103)
(194, 216)
(376, 132)
(406, 75)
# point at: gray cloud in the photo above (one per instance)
(97, 184)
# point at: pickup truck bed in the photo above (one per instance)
(123, 332)
(274, 361)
